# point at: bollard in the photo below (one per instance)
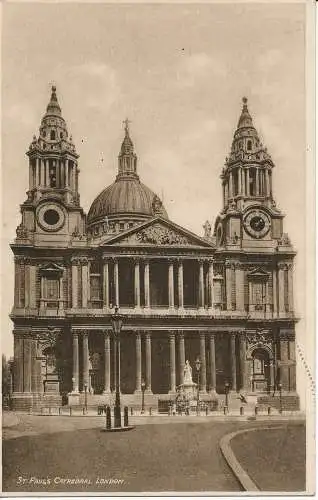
(225, 410)
(70, 411)
(242, 410)
(59, 410)
(150, 411)
(131, 411)
(125, 416)
(83, 410)
(269, 410)
(108, 418)
(50, 411)
(206, 411)
(256, 410)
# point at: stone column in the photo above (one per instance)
(203, 363)
(148, 363)
(32, 285)
(116, 282)
(290, 288)
(274, 299)
(257, 182)
(171, 285)
(228, 285)
(34, 384)
(105, 284)
(272, 374)
(281, 298)
(37, 170)
(74, 177)
(211, 299)
(27, 284)
(233, 361)
(180, 284)
(84, 282)
(181, 356)
(230, 185)
(106, 362)
(239, 181)
(85, 360)
(243, 370)
(172, 363)
(267, 184)
(74, 284)
(27, 362)
(239, 286)
(61, 292)
(66, 173)
(147, 284)
(138, 362)
(18, 364)
(75, 362)
(137, 284)
(212, 363)
(201, 285)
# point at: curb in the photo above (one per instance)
(240, 473)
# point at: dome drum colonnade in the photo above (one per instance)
(182, 295)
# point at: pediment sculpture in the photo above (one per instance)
(159, 235)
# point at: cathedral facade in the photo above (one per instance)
(226, 297)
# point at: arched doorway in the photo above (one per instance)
(261, 376)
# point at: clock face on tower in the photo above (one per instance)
(257, 223)
(50, 216)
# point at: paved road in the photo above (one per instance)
(175, 457)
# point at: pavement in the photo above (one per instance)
(143, 459)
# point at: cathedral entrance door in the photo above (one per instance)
(260, 370)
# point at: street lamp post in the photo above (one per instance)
(198, 368)
(280, 398)
(226, 390)
(117, 322)
(85, 392)
(143, 387)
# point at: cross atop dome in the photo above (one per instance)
(126, 124)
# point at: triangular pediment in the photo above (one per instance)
(51, 267)
(159, 232)
(258, 273)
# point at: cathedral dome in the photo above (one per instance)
(126, 196)
(127, 201)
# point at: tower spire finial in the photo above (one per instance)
(126, 125)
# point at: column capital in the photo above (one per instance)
(84, 333)
(107, 332)
(233, 335)
(75, 261)
(228, 264)
(172, 335)
(202, 335)
(282, 266)
(83, 260)
(181, 335)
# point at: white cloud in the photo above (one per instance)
(198, 66)
(269, 59)
(23, 113)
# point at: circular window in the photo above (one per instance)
(51, 217)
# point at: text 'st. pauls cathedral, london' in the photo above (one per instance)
(225, 297)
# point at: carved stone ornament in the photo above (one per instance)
(258, 338)
(157, 207)
(22, 232)
(284, 240)
(159, 235)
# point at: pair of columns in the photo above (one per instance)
(139, 363)
(263, 187)
(203, 369)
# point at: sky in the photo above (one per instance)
(178, 72)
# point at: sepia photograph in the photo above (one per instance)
(157, 250)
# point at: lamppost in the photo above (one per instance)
(85, 391)
(279, 385)
(117, 322)
(226, 390)
(143, 388)
(198, 367)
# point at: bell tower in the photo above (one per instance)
(249, 217)
(53, 203)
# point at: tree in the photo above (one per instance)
(6, 377)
